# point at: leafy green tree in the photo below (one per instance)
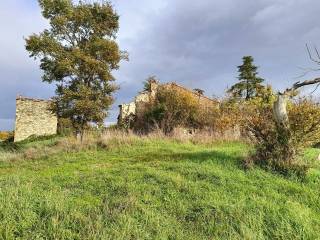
(249, 82)
(78, 52)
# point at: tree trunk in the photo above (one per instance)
(280, 111)
(284, 134)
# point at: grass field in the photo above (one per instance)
(155, 189)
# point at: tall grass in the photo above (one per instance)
(34, 148)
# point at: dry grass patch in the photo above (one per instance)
(110, 139)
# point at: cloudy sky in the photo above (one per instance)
(194, 43)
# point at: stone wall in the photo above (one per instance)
(126, 110)
(33, 118)
(139, 101)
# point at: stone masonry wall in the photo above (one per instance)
(33, 118)
(126, 110)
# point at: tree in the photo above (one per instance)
(249, 82)
(78, 53)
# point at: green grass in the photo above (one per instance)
(155, 190)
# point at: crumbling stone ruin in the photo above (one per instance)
(33, 118)
(136, 107)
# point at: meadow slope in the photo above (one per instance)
(155, 189)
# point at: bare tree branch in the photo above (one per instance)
(316, 50)
(306, 71)
(310, 55)
(299, 84)
(316, 88)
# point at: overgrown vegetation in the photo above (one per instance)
(175, 108)
(6, 135)
(171, 108)
(248, 118)
(281, 148)
(127, 187)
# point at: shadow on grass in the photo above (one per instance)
(216, 157)
(10, 146)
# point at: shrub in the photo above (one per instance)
(6, 136)
(304, 117)
(231, 115)
(171, 108)
(228, 116)
(280, 148)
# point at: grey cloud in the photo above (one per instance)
(201, 43)
(19, 73)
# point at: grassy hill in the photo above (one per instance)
(152, 189)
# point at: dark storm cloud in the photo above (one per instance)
(195, 43)
(19, 74)
(201, 43)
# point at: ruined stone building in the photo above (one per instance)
(133, 108)
(33, 118)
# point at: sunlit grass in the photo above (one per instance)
(155, 189)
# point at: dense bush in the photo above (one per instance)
(174, 108)
(280, 148)
(169, 109)
(5, 136)
(304, 117)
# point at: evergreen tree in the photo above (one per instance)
(249, 82)
(79, 52)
